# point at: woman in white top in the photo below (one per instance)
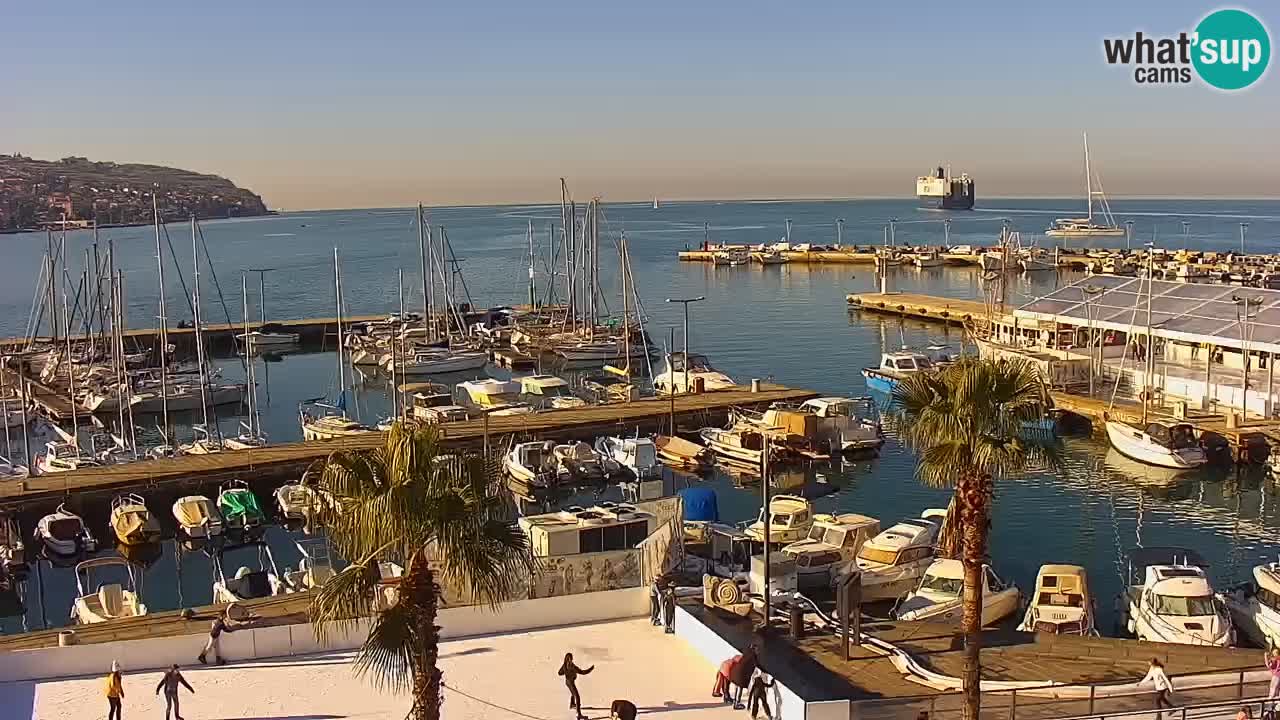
(1163, 686)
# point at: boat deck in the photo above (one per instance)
(586, 422)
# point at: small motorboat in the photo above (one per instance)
(894, 367)
(769, 257)
(892, 563)
(939, 595)
(98, 601)
(326, 422)
(1163, 444)
(638, 456)
(63, 533)
(299, 502)
(831, 547)
(549, 392)
(1061, 604)
(790, 518)
(1255, 606)
(533, 463)
(63, 457)
(247, 583)
(202, 444)
(741, 444)
(847, 424)
(580, 462)
(315, 567)
(12, 471)
(13, 552)
(271, 335)
(132, 522)
(197, 516)
(240, 509)
(681, 453)
(697, 373)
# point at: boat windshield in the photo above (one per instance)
(816, 532)
(1192, 606)
(942, 585)
(646, 455)
(877, 555)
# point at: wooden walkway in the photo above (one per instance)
(921, 307)
(828, 257)
(585, 423)
(279, 610)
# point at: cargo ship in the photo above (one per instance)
(940, 191)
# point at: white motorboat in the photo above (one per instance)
(580, 462)
(326, 422)
(98, 601)
(830, 548)
(248, 439)
(435, 361)
(248, 583)
(132, 522)
(299, 502)
(549, 391)
(894, 367)
(682, 377)
(184, 396)
(638, 455)
(731, 257)
(533, 463)
(742, 444)
(1170, 599)
(678, 452)
(315, 567)
(1163, 444)
(939, 597)
(1035, 261)
(769, 257)
(494, 397)
(928, 259)
(62, 457)
(64, 534)
(1061, 603)
(1255, 606)
(197, 516)
(271, 335)
(849, 424)
(790, 518)
(893, 562)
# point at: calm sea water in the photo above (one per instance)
(788, 322)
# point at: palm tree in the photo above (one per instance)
(973, 423)
(444, 517)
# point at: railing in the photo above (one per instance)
(1195, 694)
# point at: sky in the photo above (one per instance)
(337, 104)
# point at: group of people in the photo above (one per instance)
(662, 603)
(618, 710)
(743, 672)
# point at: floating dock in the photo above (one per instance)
(291, 460)
(949, 311)
(827, 257)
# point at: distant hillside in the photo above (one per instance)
(35, 193)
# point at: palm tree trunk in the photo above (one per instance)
(973, 494)
(419, 588)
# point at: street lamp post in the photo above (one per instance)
(893, 232)
(1089, 292)
(1244, 228)
(685, 302)
(1246, 310)
(946, 233)
(1128, 234)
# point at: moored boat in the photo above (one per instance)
(132, 522)
(830, 547)
(1163, 444)
(197, 516)
(64, 534)
(938, 597)
(789, 519)
(1061, 603)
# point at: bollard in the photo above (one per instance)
(755, 385)
(797, 621)
(66, 638)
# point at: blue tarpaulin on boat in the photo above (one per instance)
(700, 504)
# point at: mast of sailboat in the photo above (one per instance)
(71, 372)
(1088, 178)
(164, 326)
(250, 371)
(532, 290)
(426, 279)
(337, 301)
(399, 340)
(1150, 363)
(195, 312)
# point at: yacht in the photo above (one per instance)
(1087, 226)
(435, 361)
(598, 350)
(548, 391)
(1163, 444)
(681, 377)
(638, 455)
(831, 547)
(198, 517)
(849, 425)
(1255, 606)
(1061, 603)
(893, 562)
(533, 463)
(928, 259)
(63, 533)
(326, 422)
(1170, 599)
(894, 366)
(271, 335)
(789, 519)
(938, 598)
(247, 583)
(97, 601)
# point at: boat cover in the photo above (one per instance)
(194, 512)
(65, 528)
(296, 497)
(700, 504)
(240, 504)
(250, 585)
(133, 521)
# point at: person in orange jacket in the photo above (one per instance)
(115, 692)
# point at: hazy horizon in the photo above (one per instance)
(334, 107)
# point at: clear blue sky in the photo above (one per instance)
(324, 104)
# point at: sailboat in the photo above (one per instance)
(1086, 227)
(322, 421)
(1163, 444)
(251, 435)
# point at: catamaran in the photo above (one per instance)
(1086, 226)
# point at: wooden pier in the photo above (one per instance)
(291, 460)
(829, 257)
(949, 311)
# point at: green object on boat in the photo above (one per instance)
(239, 506)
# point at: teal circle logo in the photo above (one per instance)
(1232, 49)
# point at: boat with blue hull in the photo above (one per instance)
(941, 191)
(894, 367)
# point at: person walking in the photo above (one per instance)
(740, 676)
(570, 673)
(1273, 665)
(221, 623)
(655, 602)
(1163, 686)
(757, 695)
(169, 683)
(115, 691)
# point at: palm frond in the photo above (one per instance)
(388, 656)
(338, 604)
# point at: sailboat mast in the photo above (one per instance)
(1150, 364)
(195, 311)
(164, 324)
(399, 389)
(624, 262)
(426, 279)
(337, 301)
(71, 372)
(1088, 178)
(248, 358)
(532, 290)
